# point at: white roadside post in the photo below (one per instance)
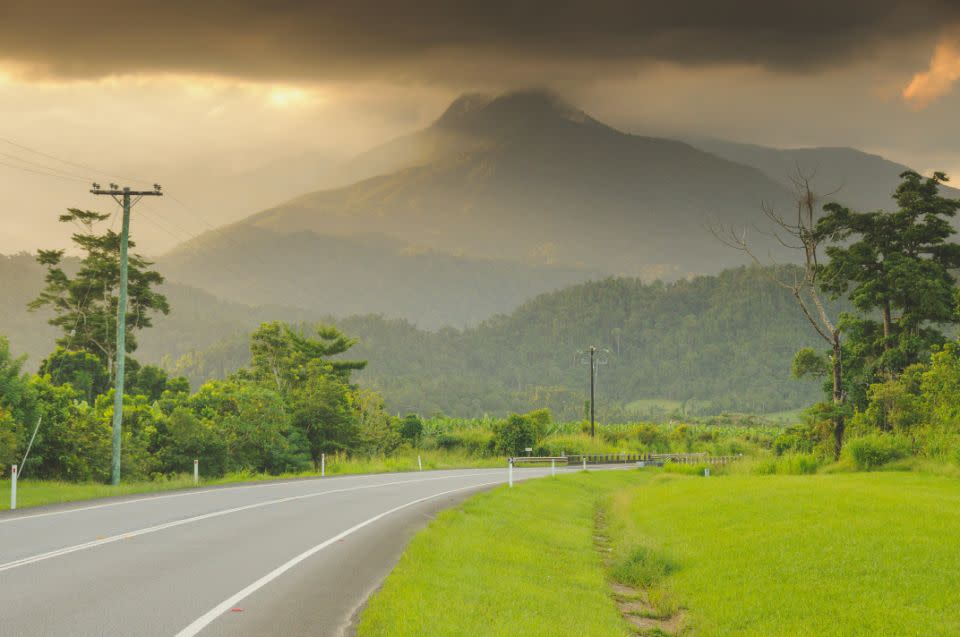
(323, 465)
(510, 471)
(13, 487)
(419, 462)
(196, 471)
(584, 463)
(553, 467)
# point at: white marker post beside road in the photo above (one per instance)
(553, 467)
(13, 487)
(323, 465)
(510, 471)
(419, 463)
(196, 471)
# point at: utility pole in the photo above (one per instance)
(594, 358)
(593, 402)
(123, 197)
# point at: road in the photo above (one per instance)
(281, 558)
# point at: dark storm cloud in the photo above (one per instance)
(442, 40)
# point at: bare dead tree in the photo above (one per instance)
(799, 234)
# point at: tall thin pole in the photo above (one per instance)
(121, 341)
(122, 197)
(593, 372)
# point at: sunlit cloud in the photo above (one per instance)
(937, 81)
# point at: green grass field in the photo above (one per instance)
(39, 492)
(846, 555)
(508, 562)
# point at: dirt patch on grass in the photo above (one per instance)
(650, 615)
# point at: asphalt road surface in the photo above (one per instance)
(283, 558)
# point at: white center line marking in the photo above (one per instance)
(207, 618)
(187, 493)
(206, 516)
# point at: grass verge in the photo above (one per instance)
(515, 561)
(846, 554)
(39, 492)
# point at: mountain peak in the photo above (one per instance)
(478, 113)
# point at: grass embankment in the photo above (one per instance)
(852, 554)
(746, 555)
(508, 562)
(38, 492)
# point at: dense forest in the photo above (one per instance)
(720, 342)
(717, 342)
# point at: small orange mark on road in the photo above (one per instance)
(236, 609)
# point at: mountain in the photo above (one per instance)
(361, 273)
(852, 177)
(527, 176)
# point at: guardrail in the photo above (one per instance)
(620, 458)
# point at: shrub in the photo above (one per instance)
(643, 567)
(870, 452)
(474, 442)
(514, 435)
(800, 463)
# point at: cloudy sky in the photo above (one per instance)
(202, 95)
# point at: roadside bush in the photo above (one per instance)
(653, 438)
(474, 442)
(411, 428)
(798, 464)
(870, 452)
(514, 434)
(576, 444)
(643, 567)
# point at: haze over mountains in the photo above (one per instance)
(502, 198)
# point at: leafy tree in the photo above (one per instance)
(285, 358)
(253, 423)
(150, 381)
(321, 411)
(514, 435)
(801, 234)
(186, 438)
(15, 394)
(897, 264)
(85, 305)
(81, 369)
(411, 428)
(379, 433)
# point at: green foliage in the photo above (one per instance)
(149, 381)
(185, 437)
(898, 265)
(84, 306)
(807, 362)
(8, 439)
(85, 372)
(254, 424)
(514, 435)
(411, 428)
(876, 450)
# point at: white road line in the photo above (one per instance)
(206, 516)
(207, 618)
(189, 492)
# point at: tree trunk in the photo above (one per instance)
(837, 394)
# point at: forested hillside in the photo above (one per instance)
(722, 342)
